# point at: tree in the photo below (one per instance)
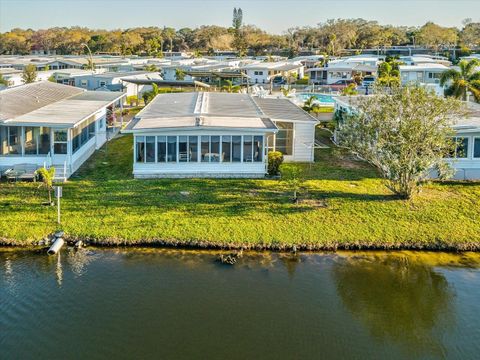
(179, 74)
(310, 104)
(47, 177)
(229, 87)
(151, 68)
(29, 74)
(470, 35)
(3, 81)
(388, 74)
(239, 42)
(275, 159)
(350, 90)
(461, 81)
(169, 33)
(237, 18)
(405, 132)
(292, 175)
(435, 36)
(150, 95)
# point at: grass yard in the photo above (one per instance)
(344, 205)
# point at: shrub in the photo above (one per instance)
(275, 159)
(132, 100)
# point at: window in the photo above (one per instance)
(193, 148)
(31, 140)
(150, 149)
(91, 129)
(215, 149)
(284, 138)
(161, 148)
(183, 148)
(140, 148)
(10, 143)
(102, 83)
(83, 83)
(205, 148)
(460, 149)
(258, 148)
(226, 148)
(171, 148)
(476, 148)
(44, 141)
(236, 148)
(60, 142)
(36, 140)
(247, 148)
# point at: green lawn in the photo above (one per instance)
(343, 205)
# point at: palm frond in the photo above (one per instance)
(448, 75)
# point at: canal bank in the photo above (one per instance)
(278, 246)
(343, 205)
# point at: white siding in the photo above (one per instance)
(303, 141)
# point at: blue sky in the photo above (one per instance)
(272, 15)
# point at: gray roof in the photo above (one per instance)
(51, 104)
(215, 110)
(283, 109)
(160, 82)
(20, 100)
(114, 74)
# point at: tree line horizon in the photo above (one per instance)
(331, 37)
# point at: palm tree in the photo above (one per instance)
(388, 74)
(309, 104)
(179, 74)
(230, 87)
(460, 82)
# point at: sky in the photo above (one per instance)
(274, 16)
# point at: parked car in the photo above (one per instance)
(279, 80)
(340, 84)
(368, 81)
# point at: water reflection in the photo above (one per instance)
(398, 300)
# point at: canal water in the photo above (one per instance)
(164, 304)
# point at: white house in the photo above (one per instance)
(201, 134)
(264, 72)
(466, 158)
(331, 73)
(113, 81)
(46, 123)
(425, 74)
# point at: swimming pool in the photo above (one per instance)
(323, 98)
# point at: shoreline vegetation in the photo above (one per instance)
(343, 205)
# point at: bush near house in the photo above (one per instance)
(275, 159)
(344, 204)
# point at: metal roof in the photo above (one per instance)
(197, 110)
(51, 104)
(160, 82)
(20, 100)
(283, 109)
